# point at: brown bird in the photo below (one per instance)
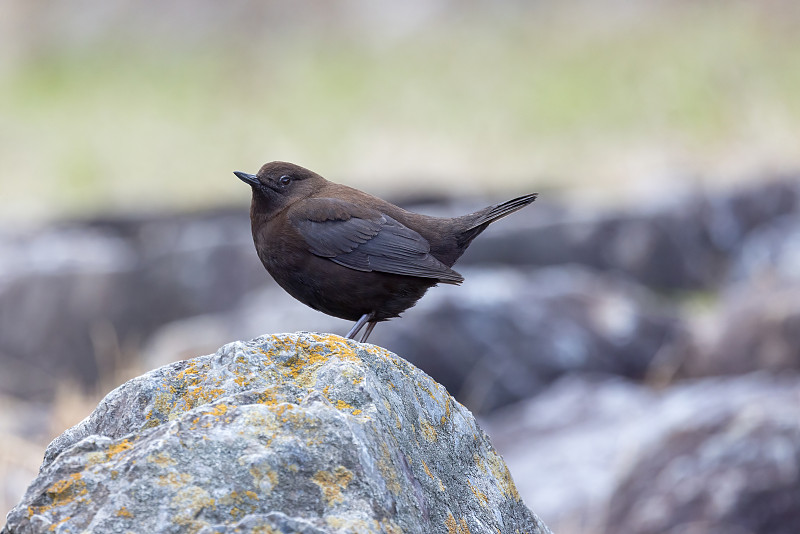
(349, 254)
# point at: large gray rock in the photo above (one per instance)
(90, 292)
(737, 473)
(696, 457)
(287, 433)
(506, 335)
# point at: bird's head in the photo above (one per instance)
(279, 184)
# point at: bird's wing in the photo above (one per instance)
(365, 239)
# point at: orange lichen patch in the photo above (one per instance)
(481, 496)
(54, 526)
(61, 492)
(264, 478)
(332, 484)
(241, 503)
(456, 527)
(387, 470)
(342, 405)
(189, 503)
(114, 449)
(479, 462)
(161, 459)
(427, 430)
(499, 470)
(242, 381)
(174, 480)
(118, 448)
(434, 478)
(162, 405)
(267, 397)
(390, 527)
(427, 471)
(436, 398)
(123, 512)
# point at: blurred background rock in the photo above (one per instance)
(631, 341)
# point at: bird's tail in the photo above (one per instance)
(478, 221)
(499, 211)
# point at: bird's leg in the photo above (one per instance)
(358, 326)
(368, 331)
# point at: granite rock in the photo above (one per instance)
(289, 433)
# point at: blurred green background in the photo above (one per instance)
(125, 107)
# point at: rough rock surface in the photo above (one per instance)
(505, 336)
(736, 474)
(697, 457)
(289, 433)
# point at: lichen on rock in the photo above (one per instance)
(286, 433)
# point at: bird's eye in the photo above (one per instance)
(285, 180)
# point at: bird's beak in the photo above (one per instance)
(249, 179)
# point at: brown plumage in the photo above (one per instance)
(349, 254)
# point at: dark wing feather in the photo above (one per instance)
(367, 240)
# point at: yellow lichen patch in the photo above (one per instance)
(161, 459)
(67, 490)
(423, 386)
(499, 470)
(481, 496)
(118, 448)
(264, 478)
(427, 471)
(241, 504)
(242, 381)
(189, 504)
(456, 527)
(338, 346)
(386, 467)
(427, 430)
(61, 492)
(390, 527)
(479, 462)
(114, 449)
(332, 484)
(124, 512)
(174, 480)
(162, 405)
(54, 526)
(267, 397)
(342, 405)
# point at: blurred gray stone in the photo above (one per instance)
(684, 244)
(656, 455)
(736, 473)
(505, 335)
(756, 327)
(286, 433)
(770, 254)
(78, 299)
